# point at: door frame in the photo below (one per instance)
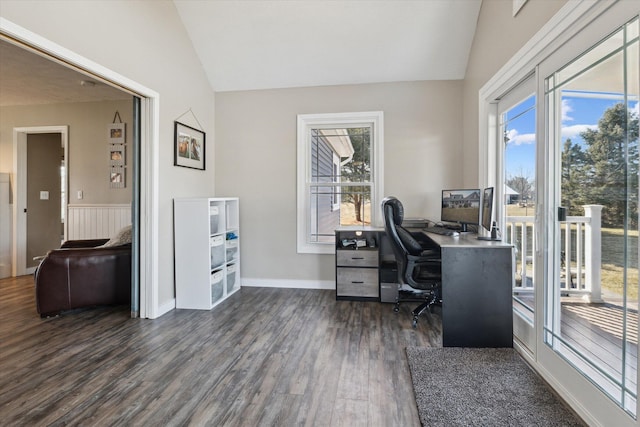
(20, 134)
(149, 152)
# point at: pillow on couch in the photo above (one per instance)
(121, 238)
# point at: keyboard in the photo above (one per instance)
(441, 231)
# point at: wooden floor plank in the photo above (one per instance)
(265, 357)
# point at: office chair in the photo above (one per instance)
(418, 267)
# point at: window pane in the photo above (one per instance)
(339, 156)
(354, 209)
(518, 125)
(355, 206)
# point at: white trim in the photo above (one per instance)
(375, 119)
(288, 283)
(517, 5)
(166, 307)
(149, 159)
(19, 244)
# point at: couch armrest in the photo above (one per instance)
(80, 277)
(86, 243)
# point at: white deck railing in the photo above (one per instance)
(581, 261)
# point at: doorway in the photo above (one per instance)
(45, 195)
(145, 202)
(41, 187)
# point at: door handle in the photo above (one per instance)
(562, 214)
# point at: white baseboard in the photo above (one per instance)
(166, 307)
(288, 283)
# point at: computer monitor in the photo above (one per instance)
(461, 207)
(487, 208)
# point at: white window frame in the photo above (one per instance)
(374, 119)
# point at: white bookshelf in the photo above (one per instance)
(207, 251)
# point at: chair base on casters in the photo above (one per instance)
(431, 299)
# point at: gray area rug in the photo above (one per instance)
(482, 387)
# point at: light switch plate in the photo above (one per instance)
(44, 195)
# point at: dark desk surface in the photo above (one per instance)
(462, 240)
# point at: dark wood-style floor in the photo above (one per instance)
(264, 357)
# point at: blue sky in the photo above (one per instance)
(578, 114)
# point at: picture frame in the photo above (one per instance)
(117, 155)
(116, 133)
(189, 147)
(116, 177)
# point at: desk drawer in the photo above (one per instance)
(357, 282)
(357, 258)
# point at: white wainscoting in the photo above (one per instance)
(96, 221)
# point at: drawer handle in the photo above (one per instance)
(357, 282)
(353, 257)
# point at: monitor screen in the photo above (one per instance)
(487, 207)
(461, 206)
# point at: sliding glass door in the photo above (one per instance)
(591, 292)
(517, 136)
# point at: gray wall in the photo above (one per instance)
(88, 161)
(256, 161)
(499, 36)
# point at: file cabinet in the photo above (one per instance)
(357, 261)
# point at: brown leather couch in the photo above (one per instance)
(80, 274)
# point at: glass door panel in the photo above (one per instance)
(591, 300)
(517, 120)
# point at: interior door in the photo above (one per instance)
(22, 257)
(45, 160)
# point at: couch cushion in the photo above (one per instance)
(121, 238)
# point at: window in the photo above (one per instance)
(339, 176)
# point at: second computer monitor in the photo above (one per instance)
(487, 208)
(461, 207)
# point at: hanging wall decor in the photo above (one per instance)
(116, 149)
(116, 155)
(189, 147)
(116, 177)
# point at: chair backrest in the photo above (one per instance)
(402, 241)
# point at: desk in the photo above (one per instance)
(477, 280)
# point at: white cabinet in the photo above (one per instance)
(207, 251)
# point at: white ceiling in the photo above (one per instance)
(264, 44)
(28, 78)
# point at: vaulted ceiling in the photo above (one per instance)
(265, 44)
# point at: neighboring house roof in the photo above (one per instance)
(341, 143)
(508, 191)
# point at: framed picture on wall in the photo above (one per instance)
(189, 147)
(116, 177)
(115, 133)
(116, 155)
